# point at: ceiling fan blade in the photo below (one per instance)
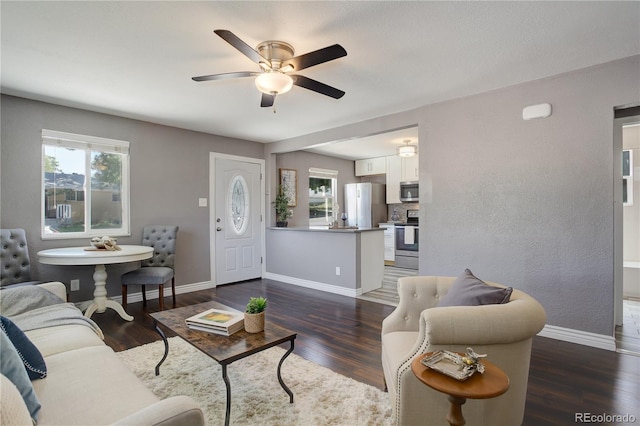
(316, 86)
(267, 100)
(225, 75)
(316, 57)
(243, 47)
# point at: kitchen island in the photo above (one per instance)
(344, 261)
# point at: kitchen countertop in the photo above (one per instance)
(326, 229)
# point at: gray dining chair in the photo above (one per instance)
(14, 254)
(157, 270)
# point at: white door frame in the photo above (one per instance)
(618, 236)
(212, 208)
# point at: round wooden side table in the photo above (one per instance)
(493, 382)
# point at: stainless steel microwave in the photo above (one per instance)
(409, 192)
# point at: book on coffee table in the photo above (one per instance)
(217, 321)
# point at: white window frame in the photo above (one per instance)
(87, 144)
(315, 172)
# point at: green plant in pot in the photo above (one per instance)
(281, 204)
(254, 314)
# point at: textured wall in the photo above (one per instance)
(529, 203)
(169, 172)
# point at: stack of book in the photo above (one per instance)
(217, 321)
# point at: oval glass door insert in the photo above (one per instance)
(238, 204)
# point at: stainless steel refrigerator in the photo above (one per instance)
(365, 204)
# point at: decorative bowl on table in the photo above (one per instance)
(458, 366)
(105, 243)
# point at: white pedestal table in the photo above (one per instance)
(90, 256)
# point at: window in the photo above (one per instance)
(627, 178)
(322, 196)
(85, 186)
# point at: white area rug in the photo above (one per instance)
(321, 397)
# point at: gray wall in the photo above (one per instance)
(525, 203)
(314, 256)
(529, 203)
(169, 172)
(302, 161)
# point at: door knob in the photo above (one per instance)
(218, 229)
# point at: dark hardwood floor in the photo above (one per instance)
(343, 334)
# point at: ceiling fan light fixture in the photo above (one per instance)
(274, 83)
(264, 66)
(407, 150)
(287, 68)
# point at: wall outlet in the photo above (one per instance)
(337, 270)
(202, 202)
(75, 285)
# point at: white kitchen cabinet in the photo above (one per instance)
(389, 242)
(371, 166)
(400, 169)
(397, 169)
(393, 179)
(409, 169)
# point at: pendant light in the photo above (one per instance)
(407, 150)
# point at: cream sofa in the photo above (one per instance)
(87, 384)
(502, 331)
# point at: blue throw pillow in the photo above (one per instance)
(12, 368)
(469, 290)
(27, 351)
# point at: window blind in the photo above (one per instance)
(93, 143)
(323, 173)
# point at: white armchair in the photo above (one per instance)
(502, 331)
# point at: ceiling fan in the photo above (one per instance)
(276, 62)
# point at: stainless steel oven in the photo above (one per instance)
(407, 238)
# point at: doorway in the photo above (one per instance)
(236, 218)
(627, 229)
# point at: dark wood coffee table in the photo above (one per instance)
(223, 349)
(493, 382)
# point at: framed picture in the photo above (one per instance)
(289, 182)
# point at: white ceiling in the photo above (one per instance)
(380, 145)
(136, 59)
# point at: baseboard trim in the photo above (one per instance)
(585, 338)
(315, 285)
(154, 294)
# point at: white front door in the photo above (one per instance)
(237, 221)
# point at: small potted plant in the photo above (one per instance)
(281, 204)
(254, 314)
